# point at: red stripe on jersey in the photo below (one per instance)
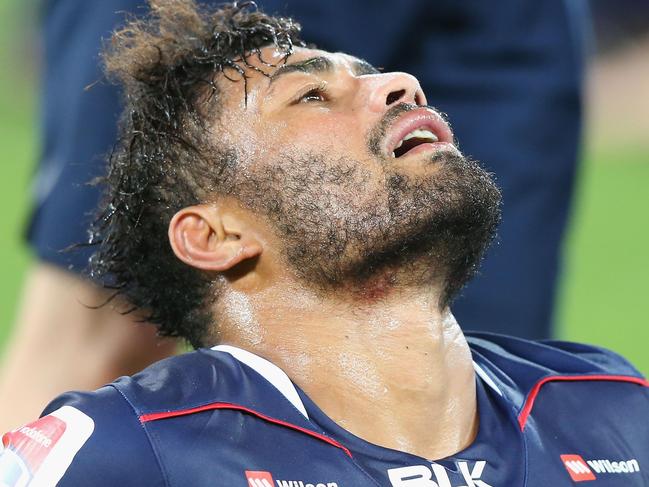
(531, 397)
(224, 405)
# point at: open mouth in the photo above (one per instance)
(418, 131)
(414, 139)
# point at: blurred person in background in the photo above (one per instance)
(510, 76)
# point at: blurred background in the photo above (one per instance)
(605, 278)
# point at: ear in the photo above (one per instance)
(200, 238)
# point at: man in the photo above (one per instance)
(300, 206)
(510, 77)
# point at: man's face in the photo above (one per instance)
(360, 179)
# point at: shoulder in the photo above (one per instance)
(546, 357)
(185, 381)
(565, 375)
(100, 435)
(81, 436)
(177, 382)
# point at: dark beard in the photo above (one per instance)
(342, 231)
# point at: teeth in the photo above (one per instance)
(418, 133)
(421, 134)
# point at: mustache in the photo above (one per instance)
(376, 135)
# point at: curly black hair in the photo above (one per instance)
(167, 63)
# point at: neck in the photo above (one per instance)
(396, 372)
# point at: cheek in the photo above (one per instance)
(325, 132)
(252, 140)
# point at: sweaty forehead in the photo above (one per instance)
(270, 64)
(301, 57)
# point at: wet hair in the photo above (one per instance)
(167, 63)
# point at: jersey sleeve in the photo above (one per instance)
(549, 357)
(607, 359)
(81, 439)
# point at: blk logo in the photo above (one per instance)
(422, 475)
(577, 468)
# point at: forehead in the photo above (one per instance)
(300, 55)
(262, 69)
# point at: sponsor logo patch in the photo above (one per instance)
(608, 466)
(577, 468)
(260, 478)
(436, 475)
(580, 469)
(39, 453)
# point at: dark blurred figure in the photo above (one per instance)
(619, 22)
(509, 74)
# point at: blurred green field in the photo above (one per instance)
(17, 153)
(605, 281)
(604, 289)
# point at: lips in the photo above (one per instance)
(415, 131)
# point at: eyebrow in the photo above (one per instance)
(320, 64)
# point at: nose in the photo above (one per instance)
(388, 89)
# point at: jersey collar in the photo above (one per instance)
(269, 371)
(280, 380)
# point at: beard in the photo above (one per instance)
(361, 226)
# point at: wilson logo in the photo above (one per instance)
(577, 468)
(607, 466)
(258, 478)
(581, 470)
(422, 475)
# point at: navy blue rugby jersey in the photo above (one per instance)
(551, 414)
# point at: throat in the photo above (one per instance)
(412, 407)
(409, 390)
(396, 372)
